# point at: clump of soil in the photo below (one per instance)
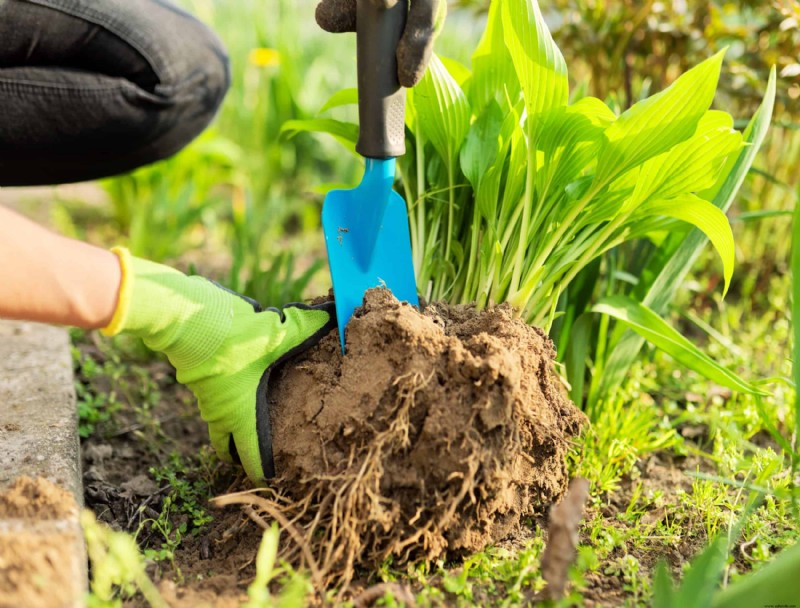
(36, 563)
(437, 433)
(36, 499)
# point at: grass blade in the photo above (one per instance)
(345, 132)
(653, 328)
(345, 97)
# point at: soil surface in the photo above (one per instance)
(437, 434)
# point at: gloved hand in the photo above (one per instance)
(425, 20)
(223, 347)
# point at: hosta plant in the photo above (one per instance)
(514, 189)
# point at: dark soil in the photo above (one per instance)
(213, 563)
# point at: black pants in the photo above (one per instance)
(92, 88)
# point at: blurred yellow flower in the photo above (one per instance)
(263, 57)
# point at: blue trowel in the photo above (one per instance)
(366, 228)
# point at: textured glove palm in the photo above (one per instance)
(223, 347)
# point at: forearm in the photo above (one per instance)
(52, 279)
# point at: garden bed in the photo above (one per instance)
(455, 417)
(438, 434)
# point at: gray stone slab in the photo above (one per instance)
(38, 416)
(39, 431)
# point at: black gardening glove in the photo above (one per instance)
(425, 20)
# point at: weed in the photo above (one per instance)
(117, 566)
(189, 485)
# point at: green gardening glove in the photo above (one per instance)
(223, 347)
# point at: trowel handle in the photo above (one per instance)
(381, 99)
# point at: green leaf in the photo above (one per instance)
(671, 277)
(538, 62)
(663, 589)
(773, 585)
(703, 215)
(568, 139)
(442, 109)
(654, 329)
(483, 143)
(493, 75)
(692, 165)
(345, 97)
(580, 337)
(457, 70)
(656, 124)
(345, 132)
(703, 576)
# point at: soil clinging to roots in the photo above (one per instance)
(437, 433)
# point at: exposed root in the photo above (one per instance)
(376, 592)
(421, 442)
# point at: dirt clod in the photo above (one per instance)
(437, 433)
(36, 499)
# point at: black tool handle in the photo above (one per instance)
(381, 99)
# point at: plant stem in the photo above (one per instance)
(527, 204)
(420, 253)
(520, 296)
(593, 251)
(450, 209)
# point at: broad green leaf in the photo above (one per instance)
(663, 589)
(457, 70)
(568, 139)
(345, 97)
(655, 330)
(493, 75)
(482, 144)
(703, 576)
(671, 276)
(442, 110)
(345, 132)
(538, 62)
(773, 585)
(580, 337)
(656, 124)
(692, 165)
(705, 216)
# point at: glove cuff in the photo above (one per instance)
(186, 318)
(124, 296)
